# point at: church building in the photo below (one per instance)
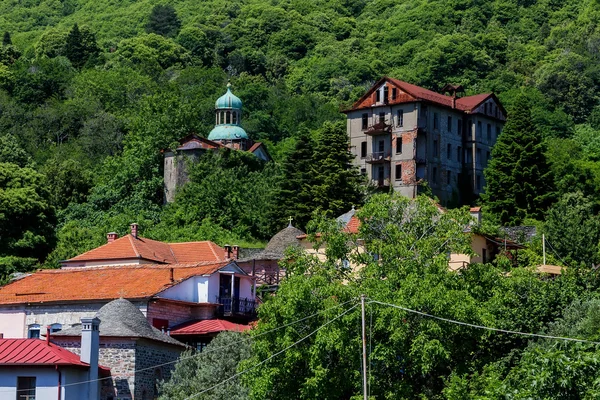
(227, 133)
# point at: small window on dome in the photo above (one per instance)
(234, 117)
(222, 117)
(228, 116)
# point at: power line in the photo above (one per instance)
(555, 252)
(208, 350)
(273, 355)
(483, 327)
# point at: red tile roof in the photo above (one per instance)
(353, 225)
(130, 247)
(21, 352)
(102, 283)
(418, 93)
(208, 326)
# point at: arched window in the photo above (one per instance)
(222, 117)
(234, 117)
(228, 116)
(33, 331)
(55, 328)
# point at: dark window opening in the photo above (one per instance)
(381, 145)
(363, 149)
(435, 121)
(398, 172)
(25, 388)
(434, 175)
(449, 124)
(365, 121)
(459, 126)
(489, 133)
(449, 152)
(478, 182)
(377, 96)
(363, 171)
(448, 177)
(386, 94)
(400, 115)
(459, 154)
(478, 155)
(394, 93)
(478, 133)
(381, 117)
(435, 148)
(398, 145)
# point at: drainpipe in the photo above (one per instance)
(59, 382)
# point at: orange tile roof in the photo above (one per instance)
(129, 246)
(102, 283)
(353, 225)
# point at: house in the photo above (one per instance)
(264, 265)
(39, 369)
(402, 134)
(227, 133)
(133, 249)
(167, 294)
(139, 355)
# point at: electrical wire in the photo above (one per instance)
(483, 327)
(208, 350)
(273, 355)
(555, 252)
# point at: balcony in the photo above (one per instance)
(381, 183)
(379, 128)
(235, 306)
(379, 157)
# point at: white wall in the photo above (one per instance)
(12, 323)
(202, 288)
(246, 288)
(46, 382)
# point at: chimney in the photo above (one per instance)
(48, 328)
(235, 252)
(172, 275)
(134, 230)
(90, 343)
(476, 214)
(111, 236)
(227, 251)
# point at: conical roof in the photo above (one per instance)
(120, 318)
(228, 100)
(280, 242)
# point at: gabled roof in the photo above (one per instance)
(207, 326)
(418, 93)
(102, 283)
(36, 352)
(193, 141)
(130, 247)
(120, 318)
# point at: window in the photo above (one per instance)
(478, 132)
(363, 171)
(386, 94)
(436, 121)
(459, 154)
(222, 121)
(470, 129)
(449, 124)
(478, 182)
(435, 148)
(228, 117)
(425, 111)
(485, 108)
(398, 172)
(400, 117)
(434, 175)
(394, 93)
(448, 177)
(459, 126)
(489, 133)
(381, 145)
(55, 328)
(25, 388)
(449, 152)
(469, 156)
(377, 96)
(478, 156)
(363, 149)
(399, 145)
(365, 121)
(484, 255)
(234, 117)
(33, 331)
(381, 117)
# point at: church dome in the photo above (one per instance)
(227, 132)
(229, 100)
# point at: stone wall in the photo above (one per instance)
(154, 362)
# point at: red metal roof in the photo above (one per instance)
(21, 352)
(208, 326)
(128, 247)
(101, 283)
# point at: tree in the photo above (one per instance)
(197, 371)
(6, 40)
(80, 46)
(163, 21)
(336, 185)
(519, 181)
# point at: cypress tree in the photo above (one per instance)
(336, 180)
(163, 21)
(74, 48)
(6, 40)
(519, 181)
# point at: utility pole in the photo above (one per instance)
(364, 344)
(544, 247)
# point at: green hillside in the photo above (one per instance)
(90, 109)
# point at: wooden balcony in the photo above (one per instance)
(235, 306)
(379, 157)
(379, 128)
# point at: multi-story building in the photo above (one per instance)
(403, 135)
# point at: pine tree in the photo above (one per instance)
(294, 193)
(336, 179)
(6, 40)
(81, 45)
(519, 181)
(163, 21)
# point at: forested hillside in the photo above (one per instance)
(91, 92)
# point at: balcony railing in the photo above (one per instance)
(379, 128)
(381, 183)
(229, 306)
(378, 157)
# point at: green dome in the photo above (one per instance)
(227, 132)
(229, 100)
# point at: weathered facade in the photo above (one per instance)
(403, 135)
